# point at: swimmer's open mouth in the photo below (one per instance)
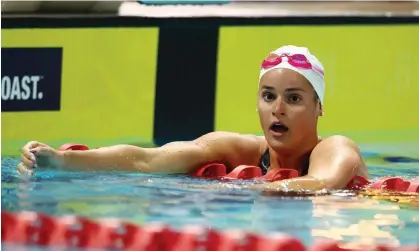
(278, 127)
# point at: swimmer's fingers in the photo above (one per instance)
(30, 150)
(27, 149)
(23, 169)
(28, 159)
(31, 145)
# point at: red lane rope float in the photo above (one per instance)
(219, 171)
(34, 229)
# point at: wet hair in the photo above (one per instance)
(316, 97)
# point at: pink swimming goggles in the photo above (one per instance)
(296, 60)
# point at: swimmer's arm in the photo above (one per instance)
(175, 157)
(333, 164)
(336, 161)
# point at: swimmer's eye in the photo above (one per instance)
(294, 98)
(267, 96)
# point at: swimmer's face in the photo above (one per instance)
(288, 108)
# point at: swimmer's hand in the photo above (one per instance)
(38, 155)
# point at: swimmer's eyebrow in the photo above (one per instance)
(295, 89)
(270, 88)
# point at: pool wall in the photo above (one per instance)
(148, 81)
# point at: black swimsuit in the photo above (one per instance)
(265, 162)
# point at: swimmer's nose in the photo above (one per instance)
(279, 107)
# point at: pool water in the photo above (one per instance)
(144, 198)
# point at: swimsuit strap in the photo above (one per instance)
(265, 162)
(305, 170)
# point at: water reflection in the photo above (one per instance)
(143, 198)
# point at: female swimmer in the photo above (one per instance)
(290, 100)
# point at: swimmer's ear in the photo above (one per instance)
(321, 112)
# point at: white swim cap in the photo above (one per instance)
(314, 74)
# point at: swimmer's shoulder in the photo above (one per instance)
(241, 143)
(236, 148)
(233, 139)
(337, 140)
